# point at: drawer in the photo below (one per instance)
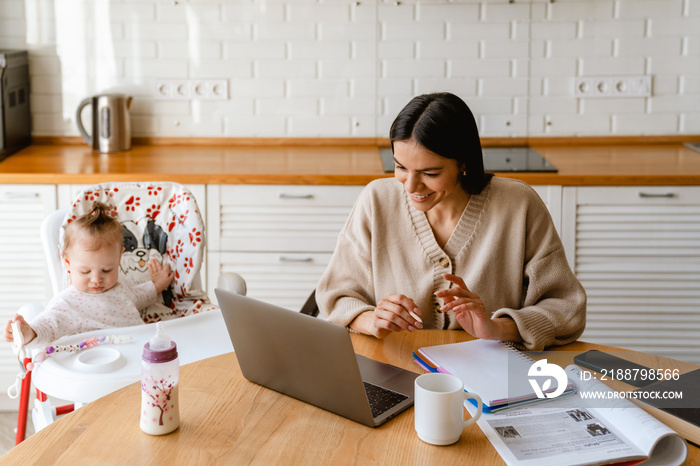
(278, 218)
(285, 279)
(638, 195)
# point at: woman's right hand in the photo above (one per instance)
(392, 314)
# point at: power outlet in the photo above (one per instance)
(190, 89)
(612, 86)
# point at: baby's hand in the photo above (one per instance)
(27, 332)
(161, 276)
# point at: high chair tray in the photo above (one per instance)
(92, 373)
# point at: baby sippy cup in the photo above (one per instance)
(159, 385)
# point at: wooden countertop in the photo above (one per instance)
(579, 165)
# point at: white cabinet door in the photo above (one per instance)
(278, 218)
(551, 196)
(285, 279)
(636, 250)
(279, 238)
(23, 271)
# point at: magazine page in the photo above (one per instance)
(577, 431)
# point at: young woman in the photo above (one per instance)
(445, 245)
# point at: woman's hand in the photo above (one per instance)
(392, 314)
(471, 313)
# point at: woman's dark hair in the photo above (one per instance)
(443, 124)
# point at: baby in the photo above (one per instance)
(93, 245)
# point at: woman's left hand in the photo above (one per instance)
(470, 312)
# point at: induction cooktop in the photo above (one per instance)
(496, 159)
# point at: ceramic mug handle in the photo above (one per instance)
(480, 408)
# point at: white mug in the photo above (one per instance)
(439, 408)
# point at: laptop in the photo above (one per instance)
(312, 360)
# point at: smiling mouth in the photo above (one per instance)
(421, 197)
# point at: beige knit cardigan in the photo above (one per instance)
(504, 246)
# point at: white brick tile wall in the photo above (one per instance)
(12, 9)
(336, 69)
(614, 28)
(318, 88)
(285, 69)
(346, 68)
(398, 86)
(247, 127)
(412, 31)
(651, 8)
(675, 26)
(288, 106)
(396, 49)
(315, 127)
(614, 106)
(580, 48)
(302, 50)
(495, 12)
(441, 49)
(196, 51)
(435, 13)
(486, 68)
(649, 47)
(256, 88)
(414, 68)
(646, 124)
(613, 66)
(459, 30)
(363, 87)
(463, 87)
(260, 50)
(551, 31)
(347, 31)
(505, 49)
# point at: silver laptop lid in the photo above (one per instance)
(295, 354)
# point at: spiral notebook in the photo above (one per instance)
(494, 370)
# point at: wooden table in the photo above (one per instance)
(228, 420)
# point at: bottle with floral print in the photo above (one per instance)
(159, 385)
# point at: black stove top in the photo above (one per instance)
(496, 159)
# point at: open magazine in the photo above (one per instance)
(581, 429)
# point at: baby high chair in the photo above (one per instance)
(160, 220)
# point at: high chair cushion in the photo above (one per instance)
(160, 220)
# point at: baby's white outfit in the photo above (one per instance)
(73, 311)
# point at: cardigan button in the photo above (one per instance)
(444, 262)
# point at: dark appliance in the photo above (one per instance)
(496, 159)
(15, 118)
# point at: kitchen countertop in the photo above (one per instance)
(579, 165)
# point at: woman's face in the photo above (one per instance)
(428, 178)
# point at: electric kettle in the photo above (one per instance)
(111, 128)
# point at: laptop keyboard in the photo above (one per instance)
(382, 399)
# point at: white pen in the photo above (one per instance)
(415, 316)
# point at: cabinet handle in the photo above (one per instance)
(296, 196)
(18, 195)
(666, 195)
(295, 259)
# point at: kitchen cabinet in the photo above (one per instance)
(551, 196)
(636, 250)
(279, 238)
(23, 275)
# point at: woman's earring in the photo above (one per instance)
(464, 173)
